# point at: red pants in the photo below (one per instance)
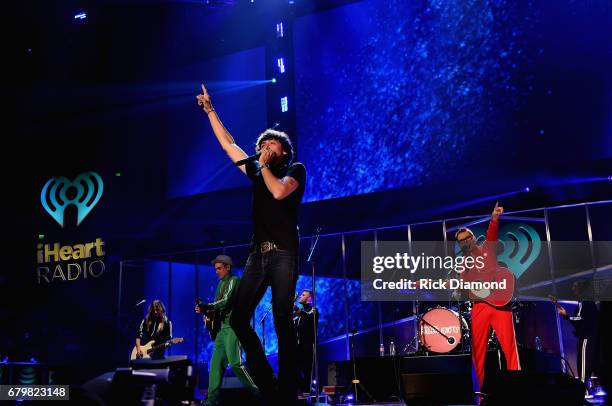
(485, 317)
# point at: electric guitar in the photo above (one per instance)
(212, 319)
(494, 297)
(148, 348)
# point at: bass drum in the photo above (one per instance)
(440, 330)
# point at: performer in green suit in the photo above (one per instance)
(227, 347)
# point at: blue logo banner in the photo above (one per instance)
(54, 199)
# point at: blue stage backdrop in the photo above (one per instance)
(399, 93)
(393, 94)
(196, 163)
(188, 325)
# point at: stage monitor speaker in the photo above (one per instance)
(521, 387)
(437, 388)
(116, 388)
(380, 376)
(174, 361)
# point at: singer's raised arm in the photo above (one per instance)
(224, 137)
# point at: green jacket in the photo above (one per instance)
(224, 295)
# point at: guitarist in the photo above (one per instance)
(227, 347)
(484, 315)
(155, 326)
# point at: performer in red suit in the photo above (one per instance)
(484, 315)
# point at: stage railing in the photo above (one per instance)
(178, 277)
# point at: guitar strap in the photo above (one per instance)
(222, 291)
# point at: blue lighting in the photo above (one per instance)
(471, 202)
(284, 104)
(280, 62)
(349, 397)
(80, 16)
(573, 180)
(273, 80)
(331, 323)
(279, 30)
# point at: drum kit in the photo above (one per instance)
(446, 330)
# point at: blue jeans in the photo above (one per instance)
(277, 269)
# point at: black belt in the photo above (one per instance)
(264, 247)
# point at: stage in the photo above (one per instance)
(350, 201)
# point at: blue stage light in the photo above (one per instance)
(80, 16)
(526, 189)
(280, 62)
(284, 104)
(279, 30)
(273, 80)
(609, 177)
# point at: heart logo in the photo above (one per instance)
(519, 242)
(54, 199)
(521, 247)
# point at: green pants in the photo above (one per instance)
(227, 351)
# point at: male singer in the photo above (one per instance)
(278, 187)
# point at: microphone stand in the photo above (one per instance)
(315, 358)
(263, 331)
(355, 381)
(133, 320)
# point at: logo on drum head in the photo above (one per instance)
(87, 189)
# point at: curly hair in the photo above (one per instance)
(279, 136)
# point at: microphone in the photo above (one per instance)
(139, 303)
(295, 307)
(248, 159)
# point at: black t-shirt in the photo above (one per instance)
(276, 220)
(160, 334)
(304, 327)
